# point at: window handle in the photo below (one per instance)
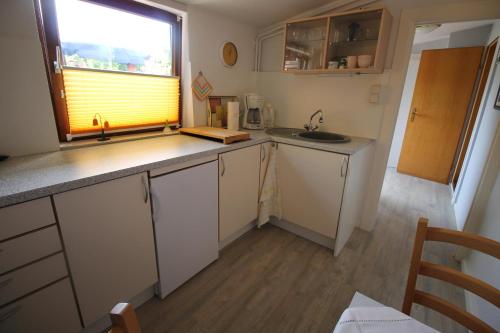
(59, 62)
(146, 192)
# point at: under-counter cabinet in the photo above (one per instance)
(238, 191)
(185, 214)
(311, 183)
(322, 192)
(108, 236)
(36, 294)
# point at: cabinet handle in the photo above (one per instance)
(146, 192)
(5, 283)
(9, 313)
(263, 149)
(343, 169)
(223, 171)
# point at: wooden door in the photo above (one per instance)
(107, 231)
(311, 183)
(238, 189)
(444, 87)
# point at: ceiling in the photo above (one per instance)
(446, 29)
(257, 13)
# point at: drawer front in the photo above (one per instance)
(22, 250)
(52, 309)
(21, 218)
(29, 278)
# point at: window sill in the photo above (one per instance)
(114, 139)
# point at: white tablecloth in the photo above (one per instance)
(380, 319)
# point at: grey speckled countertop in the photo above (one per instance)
(30, 177)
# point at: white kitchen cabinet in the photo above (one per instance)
(311, 183)
(239, 172)
(107, 232)
(185, 213)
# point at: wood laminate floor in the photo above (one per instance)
(270, 280)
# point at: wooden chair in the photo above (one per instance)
(124, 319)
(478, 287)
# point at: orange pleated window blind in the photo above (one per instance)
(125, 100)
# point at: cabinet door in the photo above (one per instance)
(238, 189)
(108, 235)
(186, 223)
(311, 183)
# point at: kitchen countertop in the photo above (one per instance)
(35, 176)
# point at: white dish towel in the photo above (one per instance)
(380, 319)
(269, 196)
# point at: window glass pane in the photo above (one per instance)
(97, 37)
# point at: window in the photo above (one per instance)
(114, 60)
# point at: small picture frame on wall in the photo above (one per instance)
(497, 100)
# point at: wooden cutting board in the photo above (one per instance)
(224, 135)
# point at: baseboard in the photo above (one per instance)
(304, 233)
(237, 234)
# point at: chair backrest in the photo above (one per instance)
(124, 319)
(478, 287)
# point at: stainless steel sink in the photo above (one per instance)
(326, 137)
(284, 131)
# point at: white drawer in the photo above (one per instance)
(29, 278)
(21, 218)
(51, 309)
(22, 250)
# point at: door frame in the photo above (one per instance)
(471, 119)
(446, 13)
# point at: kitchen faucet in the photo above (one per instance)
(309, 127)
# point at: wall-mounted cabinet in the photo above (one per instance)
(350, 42)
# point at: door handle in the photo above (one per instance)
(413, 113)
(223, 171)
(145, 186)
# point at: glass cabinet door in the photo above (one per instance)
(305, 45)
(352, 40)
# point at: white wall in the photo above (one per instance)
(27, 124)
(485, 267)
(471, 37)
(207, 32)
(344, 101)
(404, 110)
(482, 136)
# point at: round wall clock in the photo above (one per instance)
(229, 54)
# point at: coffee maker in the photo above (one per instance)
(253, 117)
